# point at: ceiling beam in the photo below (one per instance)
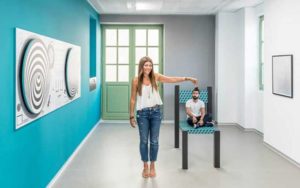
(96, 6)
(223, 4)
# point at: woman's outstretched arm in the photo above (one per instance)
(171, 79)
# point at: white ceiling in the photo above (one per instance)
(170, 7)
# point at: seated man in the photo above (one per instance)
(195, 110)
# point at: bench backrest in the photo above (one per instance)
(185, 95)
(181, 96)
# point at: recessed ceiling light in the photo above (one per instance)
(148, 5)
(130, 5)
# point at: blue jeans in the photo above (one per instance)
(149, 120)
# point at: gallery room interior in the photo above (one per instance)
(106, 93)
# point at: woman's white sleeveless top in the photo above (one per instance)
(148, 98)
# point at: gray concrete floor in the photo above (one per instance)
(110, 159)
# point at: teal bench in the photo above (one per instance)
(181, 96)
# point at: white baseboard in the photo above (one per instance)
(250, 130)
(282, 154)
(127, 121)
(167, 122)
(242, 128)
(225, 124)
(66, 164)
(265, 143)
(114, 121)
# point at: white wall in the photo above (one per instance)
(253, 96)
(238, 97)
(229, 58)
(259, 11)
(281, 118)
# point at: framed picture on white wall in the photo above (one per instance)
(282, 75)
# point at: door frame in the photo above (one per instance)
(131, 28)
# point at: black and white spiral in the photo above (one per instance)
(35, 75)
(71, 73)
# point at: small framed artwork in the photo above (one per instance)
(282, 75)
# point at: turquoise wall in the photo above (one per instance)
(32, 155)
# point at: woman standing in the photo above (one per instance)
(144, 91)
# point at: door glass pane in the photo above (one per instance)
(111, 37)
(262, 74)
(139, 53)
(262, 30)
(153, 54)
(123, 55)
(156, 68)
(123, 73)
(111, 55)
(140, 37)
(153, 37)
(262, 52)
(111, 73)
(123, 38)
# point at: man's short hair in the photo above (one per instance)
(196, 89)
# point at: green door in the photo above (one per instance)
(123, 46)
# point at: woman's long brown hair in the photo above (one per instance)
(143, 60)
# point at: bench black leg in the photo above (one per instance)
(217, 149)
(176, 135)
(176, 127)
(184, 150)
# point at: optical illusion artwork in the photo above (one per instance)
(47, 75)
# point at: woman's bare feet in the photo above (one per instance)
(145, 172)
(152, 170)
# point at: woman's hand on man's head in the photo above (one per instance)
(193, 80)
